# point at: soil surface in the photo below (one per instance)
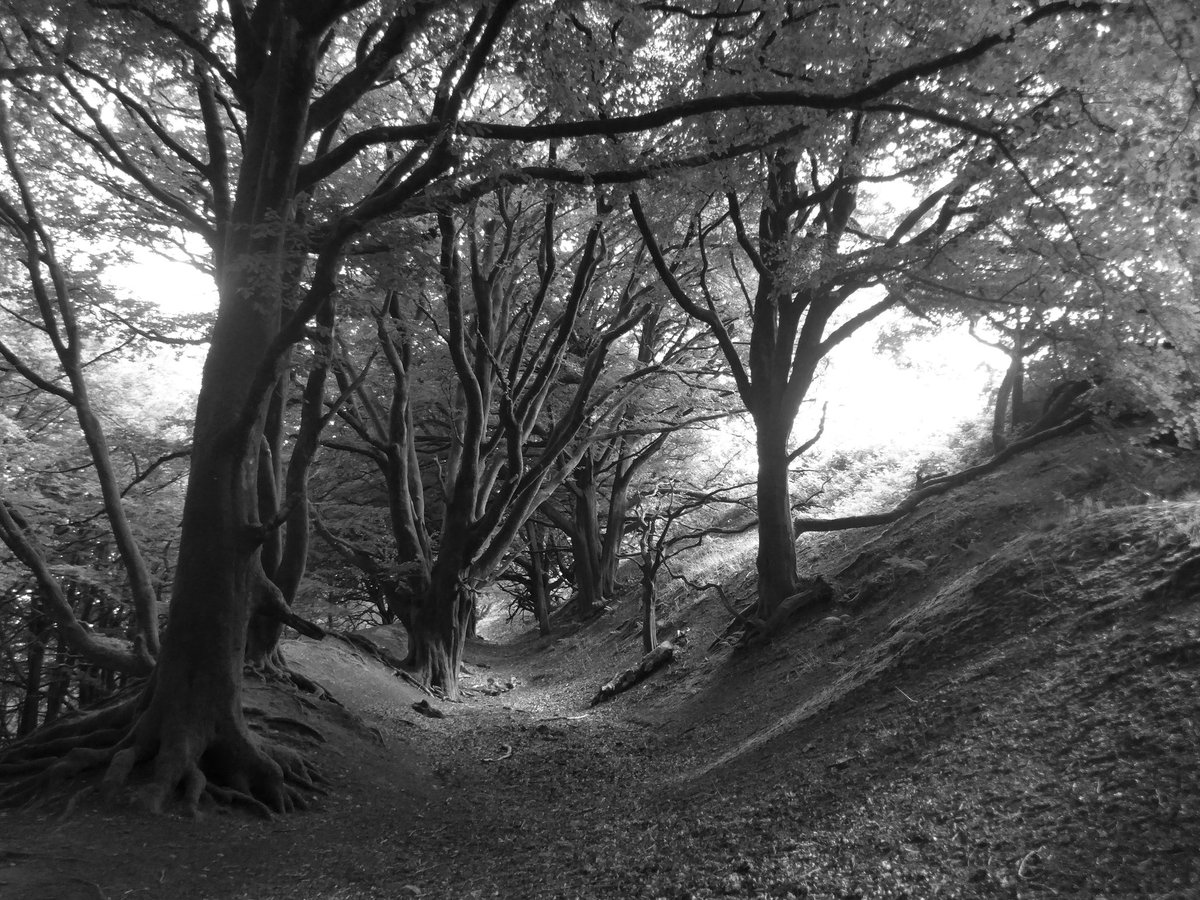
(1001, 701)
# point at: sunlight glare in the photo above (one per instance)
(176, 287)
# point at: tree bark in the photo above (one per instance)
(614, 531)
(34, 657)
(585, 539)
(539, 586)
(1006, 400)
(776, 560)
(649, 606)
(438, 633)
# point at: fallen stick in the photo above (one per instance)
(649, 664)
(507, 752)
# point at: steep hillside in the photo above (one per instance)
(1001, 701)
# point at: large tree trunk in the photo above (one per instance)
(618, 509)
(776, 536)
(438, 633)
(194, 703)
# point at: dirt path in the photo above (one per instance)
(1059, 764)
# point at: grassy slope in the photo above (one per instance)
(1002, 703)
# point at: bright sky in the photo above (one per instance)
(909, 404)
(179, 288)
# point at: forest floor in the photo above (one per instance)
(1001, 701)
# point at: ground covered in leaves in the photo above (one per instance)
(1001, 701)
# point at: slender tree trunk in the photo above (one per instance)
(35, 656)
(1017, 401)
(539, 587)
(1004, 402)
(585, 540)
(60, 682)
(649, 604)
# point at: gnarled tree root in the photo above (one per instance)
(98, 728)
(227, 765)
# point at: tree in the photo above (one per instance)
(674, 516)
(810, 255)
(56, 317)
(247, 202)
(681, 389)
(531, 379)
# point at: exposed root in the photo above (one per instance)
(44, 782)
(94, 729)
(306, 684)
(74, 802)
(275, 668)
(119, 771)
(296, 769)
(194, 784)
(50, 751)
(230, 797)
(236, 770)
(296, 724)
(163, 759)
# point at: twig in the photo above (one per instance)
(906, 697)
(1024, 860)
(508, 751)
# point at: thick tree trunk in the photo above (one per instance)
(776, 561)
(438, 633)
(190, 721)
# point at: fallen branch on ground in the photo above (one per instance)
(649, 664)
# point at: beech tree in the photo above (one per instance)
(532, 376)
(804, 263)
(807, 251)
